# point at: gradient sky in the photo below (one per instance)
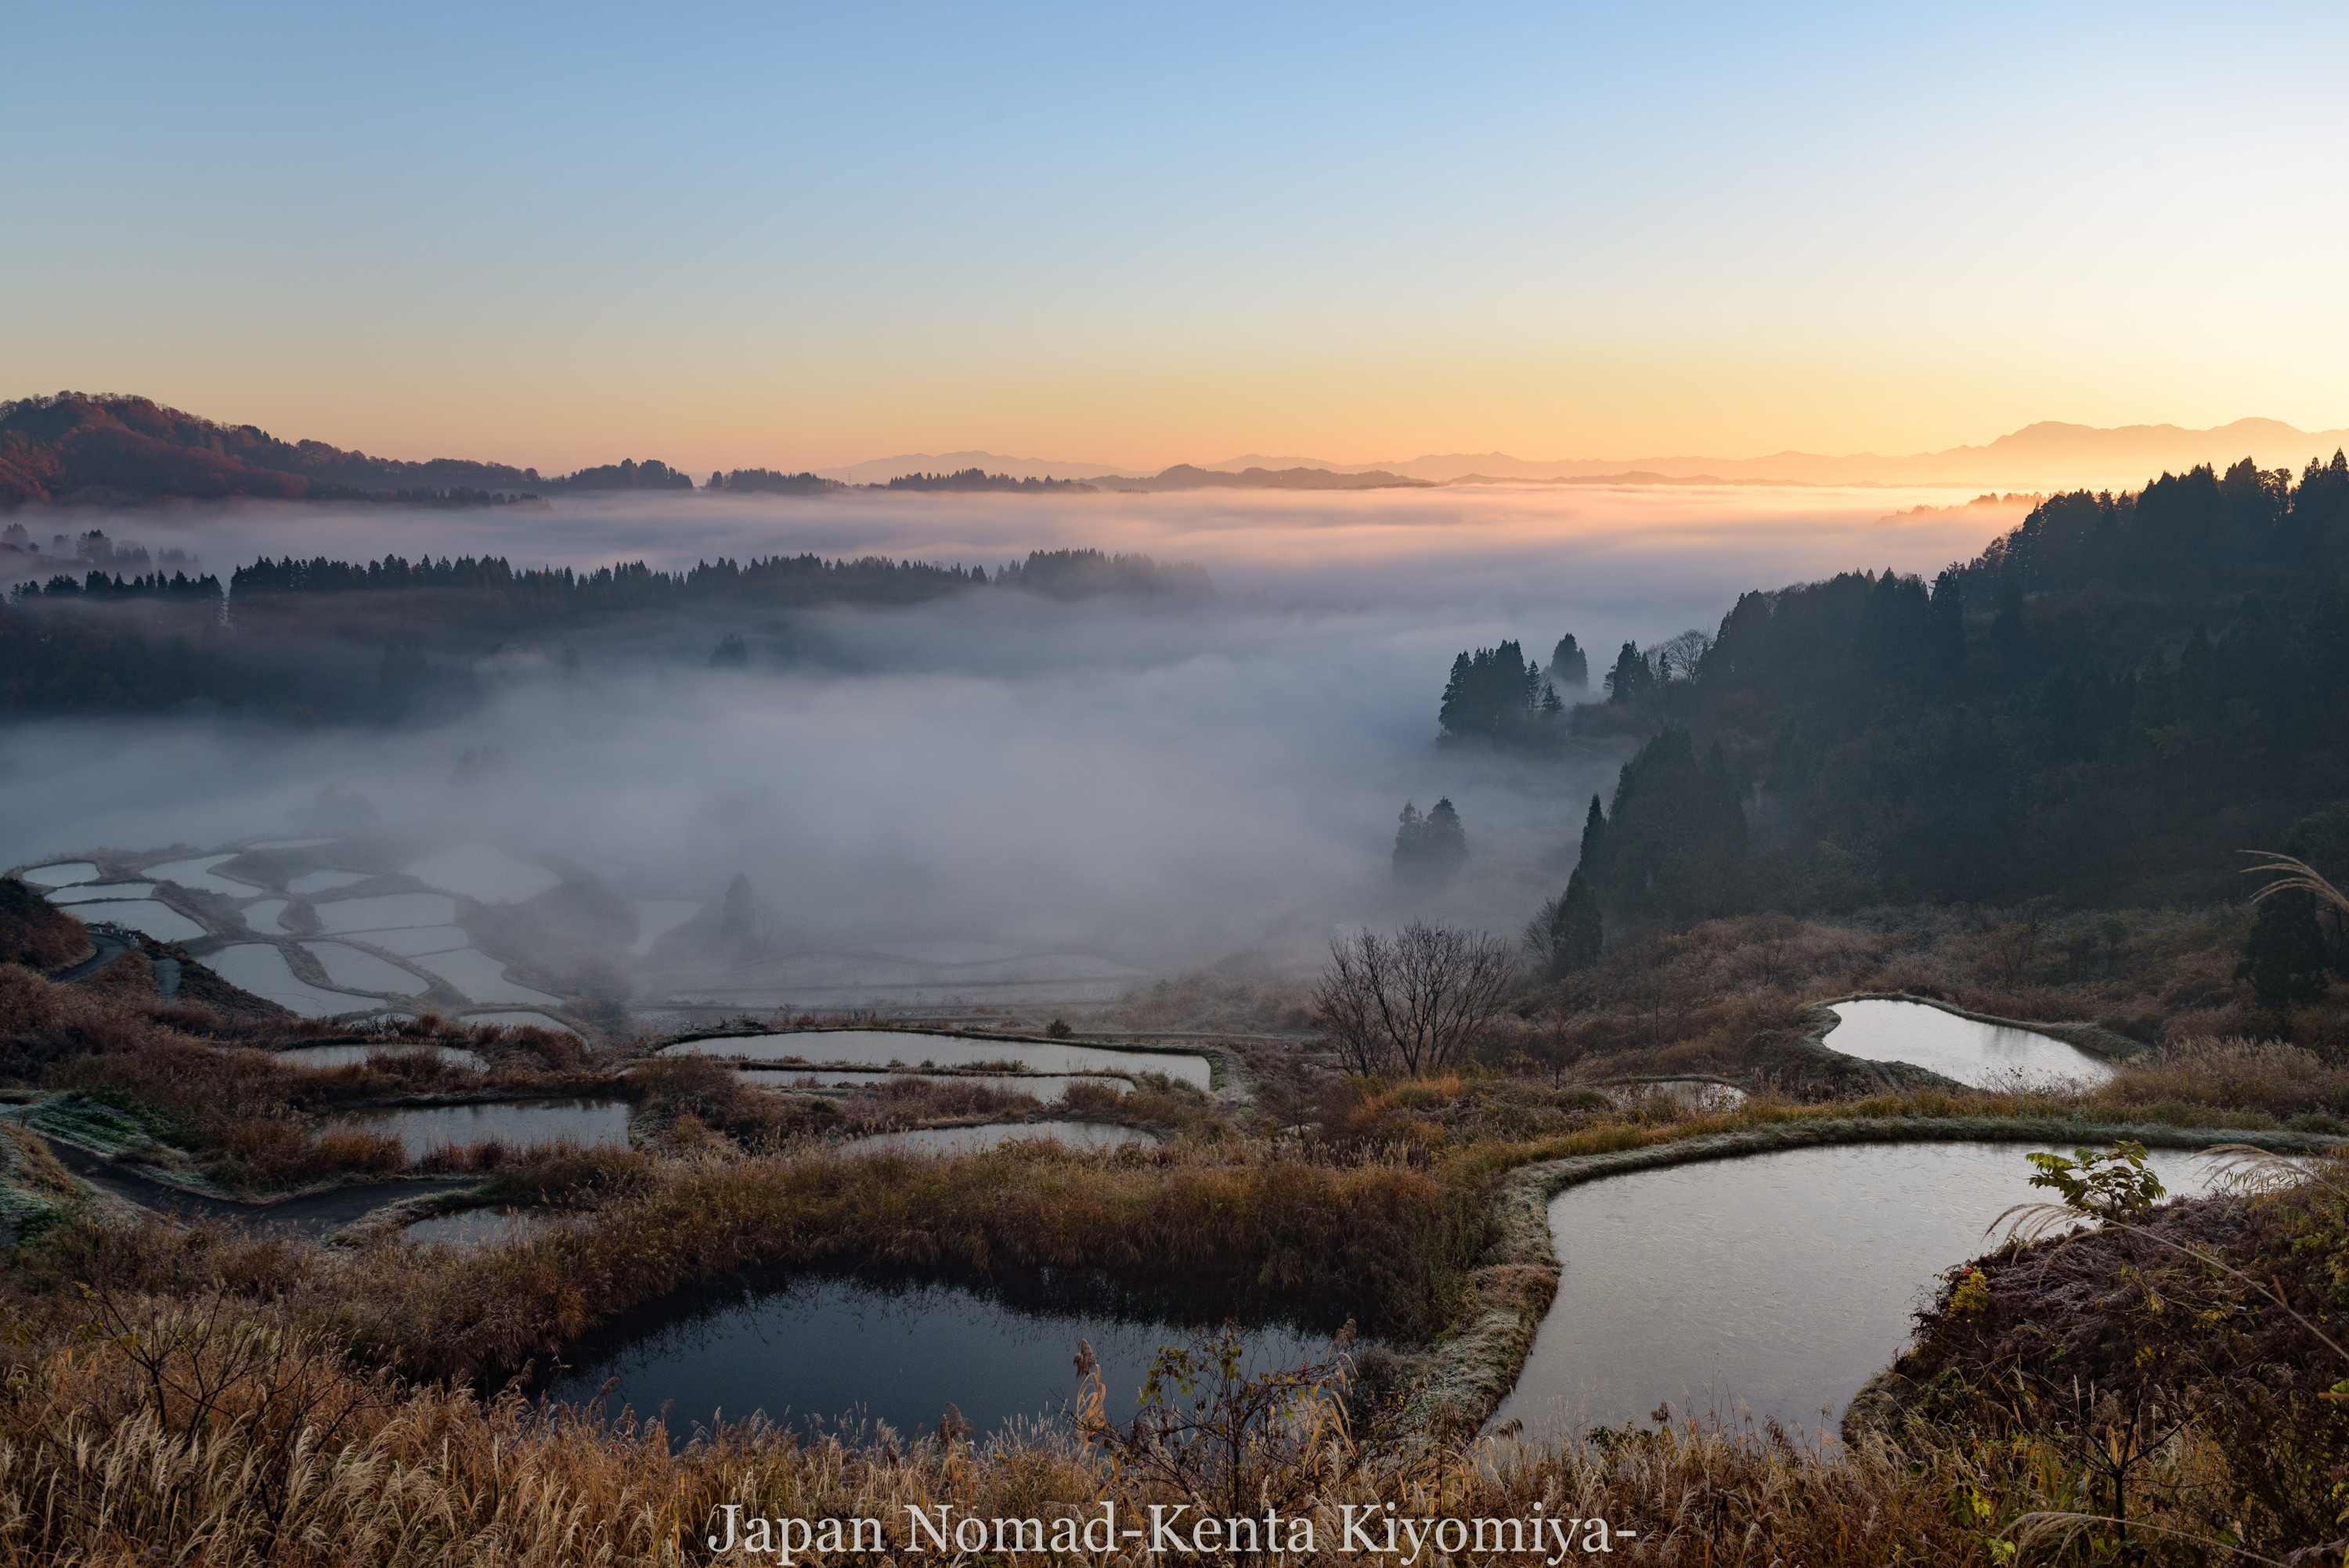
(797, 235)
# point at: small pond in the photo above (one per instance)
(422, 1129)
(1776, 1282)
(64, 873)
(1986, 1056)
(479, 1227)
(259, 967)
(348, 1055)
(387, 911)
(829, 1350)
(198, 873)
(879, 1047)
(994, 1135)
(152, 916)
(478, 977)
(348, 965)
(1047, 1087)
(411, 941)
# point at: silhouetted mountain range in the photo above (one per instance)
(73, 446)
(2046, 455)
(77, 447)
(1184, 477)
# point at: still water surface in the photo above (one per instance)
(825, 1350)
(1776, 1283)
(1046, 1086)
(977, 1139)
(422, 1129)
(1986, 1056)
(348, 1055)
(879, 1047)
(480, 1227)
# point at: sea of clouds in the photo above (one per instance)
(1165, 785)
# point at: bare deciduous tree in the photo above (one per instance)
(1409, 1003)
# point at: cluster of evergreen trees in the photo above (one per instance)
(626, 474)
(2103, 707)
(1429, 850)
(1494, 693)
(745, 481)
(559, 593)
(113, 587)
(980, 479)
(1079, 573)
(1497, 694)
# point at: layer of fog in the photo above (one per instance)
(1163, 787)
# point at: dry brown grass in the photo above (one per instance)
(2280, 1082)
(1710, 998)
(285, 1454)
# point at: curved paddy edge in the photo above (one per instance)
(2094, 1038)
(1472, 1370)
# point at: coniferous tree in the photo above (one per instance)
(2286, 955)
(1569, 665)
(1581, 934)
(1631, 678)
(1429, 850)
(1446, 840)
(1674, 846)
(1492, 692)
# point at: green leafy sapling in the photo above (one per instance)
(2114, 1185)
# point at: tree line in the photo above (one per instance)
(302, 634)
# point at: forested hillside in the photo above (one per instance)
(307, 634)
(134, 448)
(2106, 705)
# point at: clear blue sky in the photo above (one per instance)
(813, 235)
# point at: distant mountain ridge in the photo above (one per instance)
(1185, 477)
(881, 470)
(2050, 454)
(73, 446)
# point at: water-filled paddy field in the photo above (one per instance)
(1985, 1056)
(977, 1140)
(1046, 1086)
(422, 1129)
(880, 1047)
(824, 1349)
(479, 1227)
(1774, 1283)
(350, 1056)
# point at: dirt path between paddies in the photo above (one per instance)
(111, 945)
(309, 1214)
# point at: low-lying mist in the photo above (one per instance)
(1161, 785)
